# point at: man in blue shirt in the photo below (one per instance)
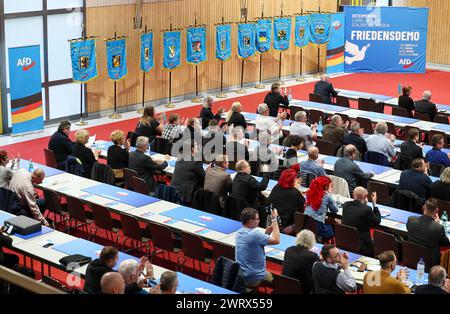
(436, 155)
(313, 165)
(250, 243)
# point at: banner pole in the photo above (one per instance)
(169, 104)
(318, 54)
(281, 55)
(244, 14)
(81, 122)
(301, 79)
(261, 85)
(141, 110)
(221, 94)
(115, 115)
(197, 99)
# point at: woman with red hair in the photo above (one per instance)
(287, 199)
(318, 202)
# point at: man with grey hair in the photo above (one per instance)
(143, 164)
(381, 142)
(265, 123)
(217, 180)
(206, 113)
(300, 128)
(355, 137)
(335, 131)
(347, 169)
(135, 280)
(22, 183)
(112, 283)
(325, 89)
(360, 215)
(299, 260)
(168, 282)
(426, 106)
(437, 282)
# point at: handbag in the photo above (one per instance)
(75, 259)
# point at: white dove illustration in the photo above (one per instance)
(357, 54)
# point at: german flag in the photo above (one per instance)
(26, 109)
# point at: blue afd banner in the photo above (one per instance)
(116, 56)
(223, 42)
(282, 33)
(246, 40)
(147, 52)
(301, 30)
(196, 45)
(263, 35)
(398, 34)
(320, 25)
(172, 50)
(84, 60)
(26, 89)
(335, 48)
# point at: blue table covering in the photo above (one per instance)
(203, 219)
(5, 216)
(386, 117)
(187, 284)
(443, 107)
(366, 167)
(49, 172)
(367, 95)
(412, 275)
(270, 185)
(443, 127)
(320, 106)
(121, 195)
(397, 215)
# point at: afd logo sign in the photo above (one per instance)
(406, 63)
(26, 63)
(336, 25)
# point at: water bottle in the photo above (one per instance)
(420, 272)
(290, 95)
(320, 126)
(444, 220)
(30, 166)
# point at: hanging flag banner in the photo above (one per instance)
(147, 52)
(116, 56)
(84, 60)
(282, 33)
(263, 35)
(301, 30)
(320, 25)
(223, 42)
(246, 40)
(172, 50)
(397, 35)
(26, 89)
(196, 45)
(335, 48)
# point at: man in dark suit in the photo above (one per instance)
(437, 282)
(355, 138)
(427, 231)
(359, 215)
(245, 186)
(60, 143)
(348, 170)
(410, 150)
(274, 99)
(416, 180)
(325, 89)
(144, 165)
(426, 106)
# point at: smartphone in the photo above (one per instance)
(48, 245)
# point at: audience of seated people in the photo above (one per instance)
(300, 128)
(335, 131)
(355, 137)
(148, 125)
(287, 199)
(85, 155)
(60, 143)
(265, 123)
(319, 201)
(381, 142)
(118, 154)
(313, 166)
(410, 149)
(426, 106)
(217, 180)
(416, 180)
(360, 215)
(436, 155)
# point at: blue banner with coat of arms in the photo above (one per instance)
(282, 33)
(84, 61)
(172, 50)
(301, 30)
(147, 52)
(320, 26)
(116, 55)
(263, 35)
(246, 40)
(196, 45)
(223, 42)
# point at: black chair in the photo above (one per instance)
(299, 222)
(406, 200)
(433, 133)
(315, 116)
(132, 136)
(104, 221)
(403, 162)
(347, 238)
(370, 105)
(286, 285)
(315, 98)
(383, 241)
(132, 231)
(163, 239)
(167, 193)
(441, 119)
(77, 213)
(294, 109)
(55, 206)
(128, 174)
(228, 275)
(233, 208)
(391, 128)
(366, 124)
(103, 173)
(192, 247)
(422, 116)
(436, 170)
(139, 186)
(50, 159)
(163, 146)
(223, 250)
(326, 147)
(342, 101)
(382, 191)
(376, 159)
(206, 201)
(307, 178)
(412, 253)
(401, 112)
(443, 206)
